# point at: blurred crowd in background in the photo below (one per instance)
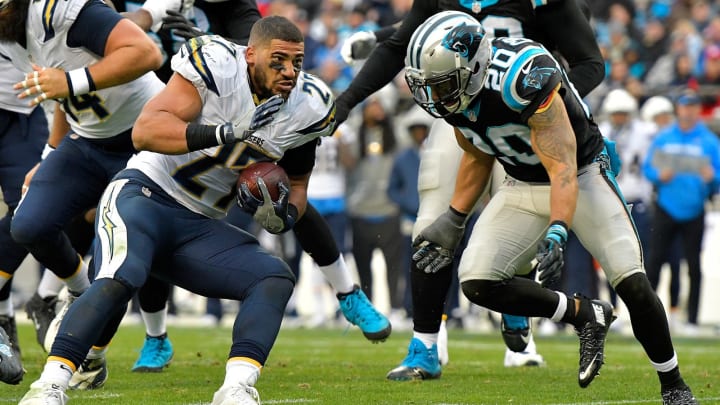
(651, 47)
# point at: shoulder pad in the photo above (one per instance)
(55, 15)
(317, 103)
(207, 61)
(533, 74)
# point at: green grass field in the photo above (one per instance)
(341, 367)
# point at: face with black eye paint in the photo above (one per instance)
(274, 68)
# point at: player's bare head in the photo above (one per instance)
(274, 27)
(274, 55)
(13, 14)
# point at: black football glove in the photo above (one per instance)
(358, 46)
(435, 245)
(550, 260)
(275, 216)
(181, 26)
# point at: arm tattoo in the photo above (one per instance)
(554, 142)
(554, 137)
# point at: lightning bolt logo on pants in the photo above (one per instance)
(107, 224)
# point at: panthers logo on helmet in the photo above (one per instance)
(464, 40)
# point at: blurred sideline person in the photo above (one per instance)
(403, 191)
(660, 111)
(316, 238)
(633, 134)
(226, 107)
(510, 100)
(683, 163)
(374, 218)
(551, 24)
(23, 133)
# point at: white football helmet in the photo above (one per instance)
(654, 106)
(446, 62)
(619, 101)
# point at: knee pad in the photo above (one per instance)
(636, 292)
(479, 292)
(273, 289)
(12, 253)
(26, 230)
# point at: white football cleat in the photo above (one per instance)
(528, 358)
(44, 393)
(523, 359)
(442, 343)
(238, 394)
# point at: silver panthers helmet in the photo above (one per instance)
(446, 62)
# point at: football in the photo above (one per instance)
(271, 174)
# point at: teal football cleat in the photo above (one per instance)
(515, 332)
(358, 310)
(421, 363)
(156, 354)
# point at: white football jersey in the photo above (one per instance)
(8, 97)
(204, 181)
(98, 114)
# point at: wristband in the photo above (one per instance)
(47, 150)
(79, 81)
(200, 136)
(558, 231)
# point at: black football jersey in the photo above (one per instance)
(502, 18)
(558, 23)
(521, 75)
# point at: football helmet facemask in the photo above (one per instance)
(446, 62)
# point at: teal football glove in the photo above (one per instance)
(550, 260)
